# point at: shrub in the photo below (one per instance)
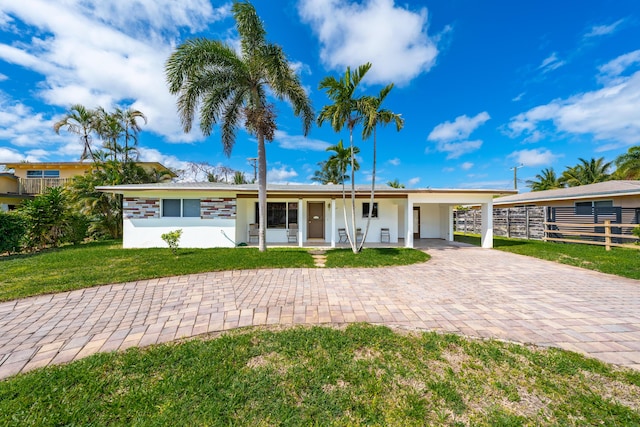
(12, 231)
(77, 228)
(636, 232)
(172, 239)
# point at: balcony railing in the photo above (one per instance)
(39, 185)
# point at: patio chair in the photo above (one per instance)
(292, 233)
(359, 234)
(385, 236)
(254, 232)
(342, 235)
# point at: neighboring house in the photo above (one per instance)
(219, 215)
(30, 178)
(618, 201)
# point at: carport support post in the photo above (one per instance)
(450, 231)
(300, 244)
(408, 238)
(333, 223)
(487, 225)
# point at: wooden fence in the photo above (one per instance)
(523, 223)
(605, 226)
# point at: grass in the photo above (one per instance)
(374, 257)
(619, 261)
(361, 375)
(81, 266)
(99, 263)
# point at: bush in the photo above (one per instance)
(77, 228)
(636, 232)
(172, 239)
(12, 231)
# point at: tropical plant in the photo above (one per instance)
(395, 184)
(12, 231)
(345, 110)
(375, 115)
(546, 180)
(229, 87)
(328, 174)
(80, 121)
(628, 164)
(586, 172)
(239, 178)
(110, 130)
(128, 120)
(172, 239)
(46, 218)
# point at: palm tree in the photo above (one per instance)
(586, 172)
(110, 130)
(375, 115)
(229, 88)
(239, 178)
(547, 180)
(628, 164)
(329, 173)
(128, 120)
(395, 184)
(345, 110)
(81, 121)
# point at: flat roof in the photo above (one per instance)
(288, 188)
(600, 189)
(76, 165)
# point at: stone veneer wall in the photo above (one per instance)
(134, 208)
(213, 208)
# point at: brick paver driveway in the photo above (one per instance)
(463, 289)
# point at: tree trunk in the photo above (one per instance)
(262, 193)
(373, 189)
(354, 243)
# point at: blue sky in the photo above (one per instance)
(482, 86)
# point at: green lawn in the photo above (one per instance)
(82, 266)
(362, 375)
(374, 257)
(620, 261)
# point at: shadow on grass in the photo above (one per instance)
(64, 248)
(497, 241)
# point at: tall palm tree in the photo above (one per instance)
(628, 164)
(81, 121)
(586, 172)
(229, 88)
(110, 130)
(345, 110)
(128, 120)
(375, 115)
(547, 180)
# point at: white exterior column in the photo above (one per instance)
(408, 238)
(300, 222)
(333, 223)
(450, 216)
(487, 225)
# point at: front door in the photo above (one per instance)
(315, 220)
(416, 222)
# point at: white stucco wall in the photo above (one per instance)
(387, 218)
(196, 232)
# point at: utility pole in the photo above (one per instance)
(254, 163)
(515, 175)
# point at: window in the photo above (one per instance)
(279, 214)
(176, 208)
(43, 174)
(365, 210)
(586, 208)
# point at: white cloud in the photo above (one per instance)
(551, 63)
(281, 175)
(496, 184)
(390, 36)
(610, 114)
(395, 161)
(107, 53)
(414, 181)
(448, 169)
(299, 142)
(535, 157)
(602, 30)
(466, 166)
(459, 129)
(518, 97)
(22, 127)
(3, 77)
(7, 155)
(153, 155)
(457, 149)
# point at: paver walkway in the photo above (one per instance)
(482, 293)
